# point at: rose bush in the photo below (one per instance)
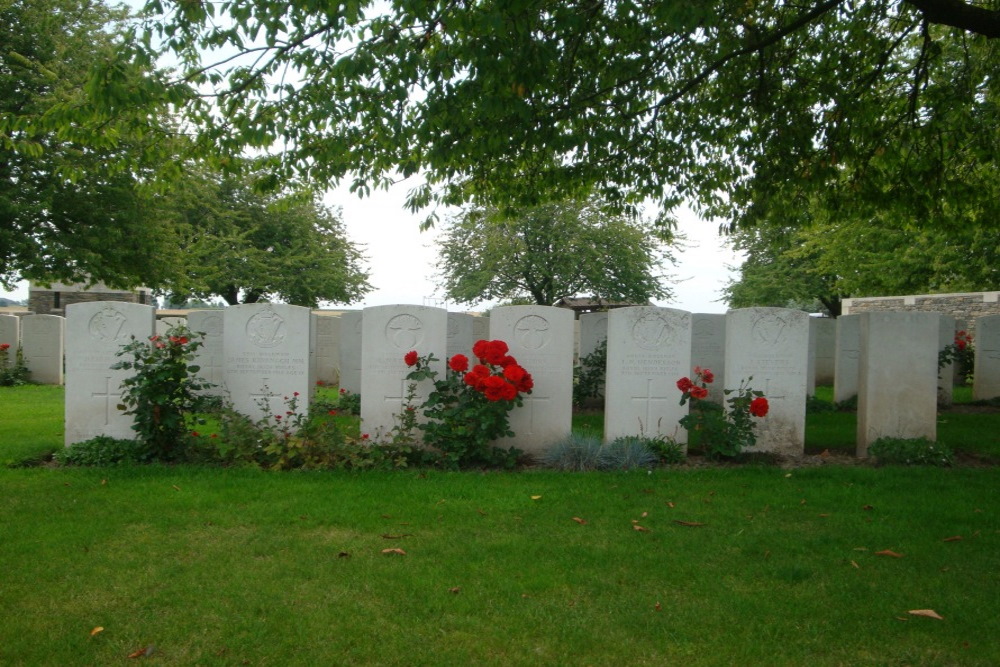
(721, 433)
(469, 409)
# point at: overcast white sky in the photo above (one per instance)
(402, 257)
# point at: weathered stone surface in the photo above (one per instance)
(769, 347)
(649, 349)
(897, 391)
(95, 332)
(541, 339)
(43, 340)
(389, 333)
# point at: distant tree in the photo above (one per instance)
(72, 207)
(246, 247)
(831, 258)
(551, 251)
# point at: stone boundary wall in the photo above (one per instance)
(965, 307)
(53, 299)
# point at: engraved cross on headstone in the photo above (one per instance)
(401, 399)
(265, 395)
(649, 399)
(106, 395)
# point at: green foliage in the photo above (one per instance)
(291, 441)
(823, 257)
(668, 451)
(721, 433)
(13, 372)
(349, 402)
(103, 451)
(163, 393)
(574, 453)
(817, 405)
(589, 375)
(962, 353)
(911, 451)
(551, 251)
(74, 177)
(246, 246)
(468, 410)
(628, 453)
(755, 110)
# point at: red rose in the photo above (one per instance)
(495, 388)
(4, 347)
(410, 358)
(506, 361)
(459, 363)
(496, 351)
(475, 377)
(479, 349)
(699, 392)
(707, 376)
(514, 373)
(759, 406)
(685, 384)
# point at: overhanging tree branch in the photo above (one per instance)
(958, 14)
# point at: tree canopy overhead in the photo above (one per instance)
(748, 109)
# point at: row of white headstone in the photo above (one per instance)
(263, 357)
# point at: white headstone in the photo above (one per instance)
(593, 329)
(210, 357)
(897, 389)
(822, 350)
(43, 339)
(541, 339)
(267, 359)
(164, 324)
(480, 328)
(95, 332)
(771, 346)
(461, 335)
(708, 350)
(10, 328)
(649, 350)
(946, 373)
(326, 358)
(986, 377)
(350, 351)
(390, 332)
(845, 380)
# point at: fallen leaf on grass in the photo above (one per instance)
(825, 453)
(824, 515)
(888, 552)
(344, 554)
(867, 508)
(639, 528)
(658, 607)
(176, 488)
(143, 652)
(535, 497)
(481, 513)
(96, 630)
(387, 536)
(104, 482)
(582, 522)
(692, 524)
(802, 502)
(644, 515)
(455, 590)
(670, 505)
(928, 613)
(855, 565)
(953, 538)
(394, 551)
(902, 618)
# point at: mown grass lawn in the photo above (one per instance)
(702, 566)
